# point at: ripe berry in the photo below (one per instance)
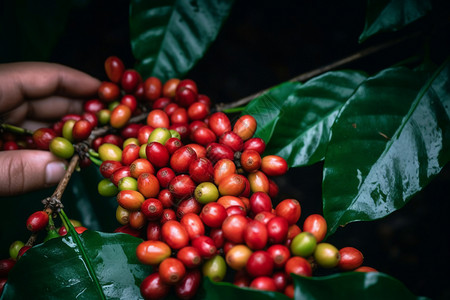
(37, 221)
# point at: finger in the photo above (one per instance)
(51, 109)
(34, 80)
(23, 171)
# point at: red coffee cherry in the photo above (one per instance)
(153, 288)
(234, 227)
(256, 144)
(170, 87)
(205, 246)
(219, 123)
(193, 225)
(289, 209)
(174, 234)
(260, 263)
(171, 270)
(148, 185)
(182, 158)
(274, 165)
(108, 91)
(152, 88)
(250, 160)
(152, 252)
(264, 283)
(245, 127)
(120, 116)
(190, 257)
(158, 119)
(351, 258)
(255, 235)
(130, 101)
(130, 80)
(153, 231)
(317, 225)
(42, 137)
(213, 214)
(37, 221)
(157, 154)
(152, 209)
(299, 266)
(114, 68)
(280, 255)
(188, 286)
(232, 140)
(140, 166)
(201, 170)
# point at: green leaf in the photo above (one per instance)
(56, 269)
(386, 144)
(30, 29)
(351, 285)
(169, 37)
(392, 15)
(303, 123)
(267, 108)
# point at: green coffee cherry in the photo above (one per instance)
(206, 192)
(215, 268)
(127, 183)
(106, 188)
(326, 255)
(175, 134)
(61, 147)
(14, 248)
(160, 135)
(109, 151)
(303, 244)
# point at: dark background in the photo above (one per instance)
(264, 43)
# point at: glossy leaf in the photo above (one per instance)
(169, 37)
(268, 107)
(351, 285)
(302, 133)
(392, 15)
(386, 144)
(56, 270)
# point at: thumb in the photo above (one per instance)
(23, 171)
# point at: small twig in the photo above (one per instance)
(320, 70)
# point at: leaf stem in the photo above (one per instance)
(15, 129)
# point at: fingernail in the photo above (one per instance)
(54, 171)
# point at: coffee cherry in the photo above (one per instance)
(190, 257)
(274, 165)
(137, 219)
(326, 255)
(250, 160)
(234, 227)
(189, 205)
(42, 137)
(227, 201)
(219, 123)
(281, 279)
(216, 152)
(130, 153)
(259, 202)
(153, 231)
(298, 266)
(171, 270)
(152, 209)
(174, 234)
(130, 80)
(231, 140)
(260, 263)
(108, 91)
(119, 174)
(81, 130)
(206, 192)
(152, 252)
(166, 197)
(153, 288)
(158, 119)
(181, 159)
(152, 88)
(120, 116)
(258, 182)
(140, 166)
(255, 235)
(14, 248)
(193, 225)
(203, 136)
(122, 215)
(365, 269)
(108, 167)
(37, 221)
(5, 266)
(130, 200)
(213, 214)
(277, 230)
(198, 111)
(303, 244)
(157, 154)
(222, 169)
(233, 185)
(106, 188)
(317, 225)
(148, 185)
(93, 106)
(188, 286)
(205, 245)
(109, 151)
(215, 268)
(280, 255)
(201, 170)
(351, 258)
(182, 186)
(264, 283)
(289, 209)
(245, 127)
(114, 68)
(61, 147)
(170, 87)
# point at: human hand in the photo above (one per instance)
(32, 93)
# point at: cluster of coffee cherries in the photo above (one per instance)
(195, 186)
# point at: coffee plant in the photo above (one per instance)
(193, 189)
